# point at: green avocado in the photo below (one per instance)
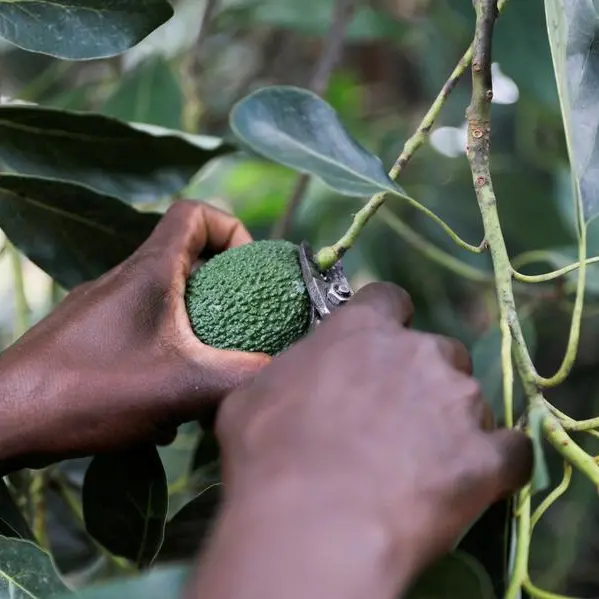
(250, 298)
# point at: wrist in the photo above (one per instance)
(297, 539)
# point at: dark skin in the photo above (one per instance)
(350, 462)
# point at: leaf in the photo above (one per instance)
(178, 456)
(207, 452)
(573, 28)
(160, 583)
(83, 29)
(125, 501)
(137, 163)
(177, 459)
(486, 363)
(540, 476)
(12, 522)
(295, 127)
(186, 532)
(149, 94)
(70, 231)
(27, 572)
(455, 575)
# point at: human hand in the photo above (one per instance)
(117, 364)
(369, 418)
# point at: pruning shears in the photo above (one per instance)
(327, 290)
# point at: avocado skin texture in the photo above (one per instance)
(250, 298)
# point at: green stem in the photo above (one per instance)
(37, 497)
(326, 257)
(567, 448)
(552, 497)
(541, 256)
(507, 368)
(574, 337)
(520, 571)
(431, 251)
(538, 593)
(21, 307)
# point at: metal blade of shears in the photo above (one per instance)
(327, 290)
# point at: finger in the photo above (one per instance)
(379, 303)
(188, 228)
(456, 353)
(513, 461)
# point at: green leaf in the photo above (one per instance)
(191, 526)
(455, 575)
(134, 162)
(573, 28)
(70, 231)
(295, 127)
(149, 94)
(540, 476)
(125, 502)
(207, 452)
(160, 583)
(12, 522)
(27, 572)
(486, 364)
(83, 29)
(177, 459)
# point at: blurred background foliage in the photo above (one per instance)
(397, 55)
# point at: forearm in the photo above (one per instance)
(297, 546)
(27, 412)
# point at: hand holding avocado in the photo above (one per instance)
(116, 363)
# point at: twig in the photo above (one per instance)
(343, 12)
(326, 257)
(541, 256)
(520, 571)
(553, 496)
(37, 496)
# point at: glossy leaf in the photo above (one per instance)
(455, 575)
(187, 531)
(149, 94)
(573, 27)
(295, 127)
(136, 163)
(160, 583)
(70, 231)
(125, 502)
(540, 476)
(27, 572)
(12, 522)
(83, 29)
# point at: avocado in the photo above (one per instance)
(250, 298)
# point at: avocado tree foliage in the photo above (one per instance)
(80, 191)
